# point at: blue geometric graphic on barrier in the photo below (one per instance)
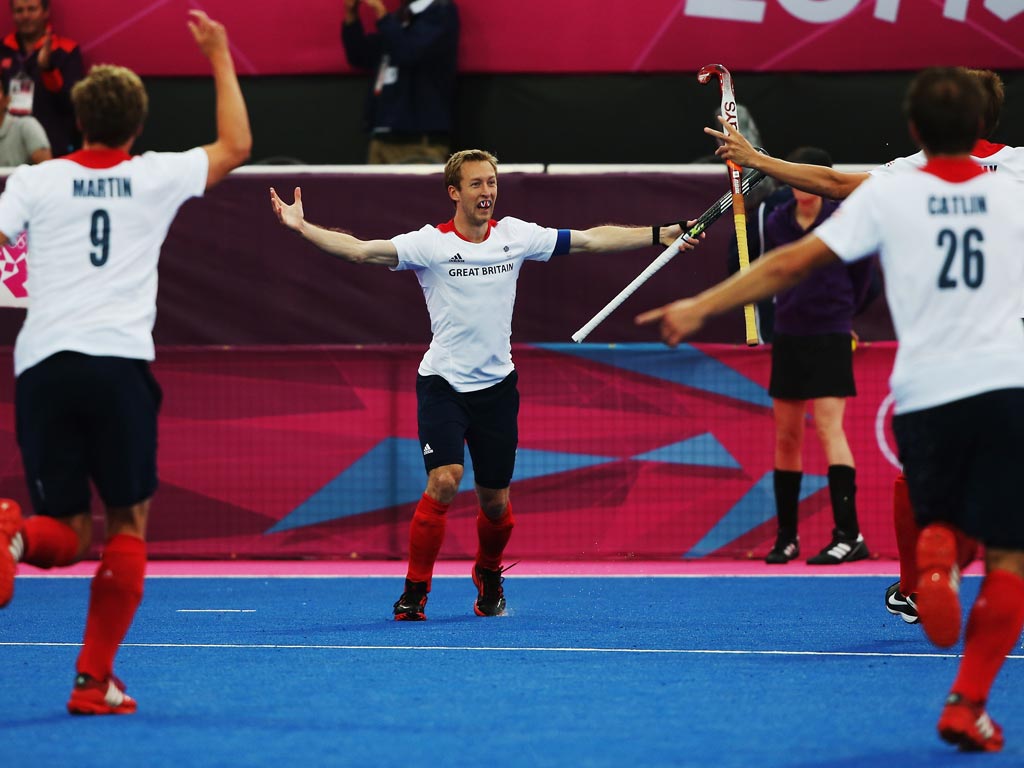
(689, 367)
(755, 508)
(391, 473)
(702, 450)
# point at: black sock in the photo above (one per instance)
(787, 500)
(842, 489)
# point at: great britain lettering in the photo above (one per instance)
(479, 271)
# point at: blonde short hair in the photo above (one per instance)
(110, 104)
(453, 168)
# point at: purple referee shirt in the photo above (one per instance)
(827, 300)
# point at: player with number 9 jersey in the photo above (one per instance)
(98, 219)
(86, 402)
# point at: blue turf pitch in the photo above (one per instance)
(635, 672)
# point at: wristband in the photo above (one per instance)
(655, 235)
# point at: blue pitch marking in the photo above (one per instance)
(748, 686)
(684, 365)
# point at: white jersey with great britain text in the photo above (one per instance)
(96, 220)
(949, 238)
(470, 290)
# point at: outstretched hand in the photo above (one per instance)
(209, 35)
(734, 145)
(670, 233)
(292, 215)
(678, 320)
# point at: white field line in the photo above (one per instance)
(512, 649)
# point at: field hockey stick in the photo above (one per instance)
(739, 212)
(750, 180)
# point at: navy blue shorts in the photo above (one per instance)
(486, 420)
(82, 418)
(963, 465)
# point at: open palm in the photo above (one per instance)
(289, 215)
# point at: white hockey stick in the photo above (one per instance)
(750, 179)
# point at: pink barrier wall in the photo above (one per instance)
(626, 451)
(284, 36)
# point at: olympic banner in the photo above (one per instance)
(14, 273)
(573, 36)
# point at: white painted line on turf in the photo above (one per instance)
(512, 649)
(215, 610)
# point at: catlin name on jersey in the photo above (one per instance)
(115, 186)
(953, 205)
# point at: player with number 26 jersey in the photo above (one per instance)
(959, 329)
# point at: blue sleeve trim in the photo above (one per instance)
(562, 243)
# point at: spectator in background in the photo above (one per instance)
(22, 139)
(812, 359)
(39, 68)
(413, 58)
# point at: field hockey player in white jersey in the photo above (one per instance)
(900, 599)
(949, 239)
(466, 383)
(85, 401)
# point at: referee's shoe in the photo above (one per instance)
(842, 549)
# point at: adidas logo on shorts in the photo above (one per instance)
(427, 450)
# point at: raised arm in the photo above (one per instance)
(767, 276)
(234, 137)
(334, 242)
(816, 179)
(609, 238)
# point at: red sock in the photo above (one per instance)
(493, 535)
(48, 542)
(993, 627)
(426, 533)
(907, 531)
(114, 598)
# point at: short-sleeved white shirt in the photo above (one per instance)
(950, 248)
(470, 290)
(991, 157)
(96, 220)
